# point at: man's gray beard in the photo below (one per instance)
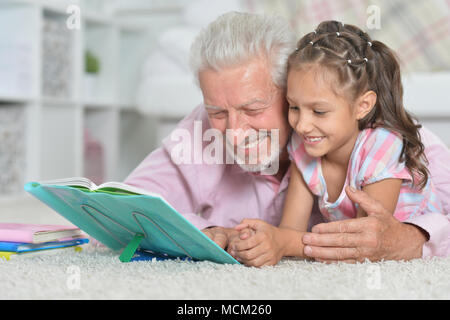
(257, 167)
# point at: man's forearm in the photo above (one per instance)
(436, 226)
(407, 244)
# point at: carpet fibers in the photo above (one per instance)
(97, 273)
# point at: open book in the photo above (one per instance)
(126, 218)
(113, 187)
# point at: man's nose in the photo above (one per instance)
(234, 120)
(237, 126)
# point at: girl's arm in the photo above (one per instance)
(298, 203)
(296, 213)
(267, 244)
(385, 191)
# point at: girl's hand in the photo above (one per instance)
(259, 243)
(237, 237)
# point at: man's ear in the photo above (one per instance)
(365, 104)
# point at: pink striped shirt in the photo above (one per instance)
(375, 157)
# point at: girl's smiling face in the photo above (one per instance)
(327, 122)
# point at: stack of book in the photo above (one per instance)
(24, 240)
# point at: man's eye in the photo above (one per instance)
(293, 108)
(219, 114)
(252, 111)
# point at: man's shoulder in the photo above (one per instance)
(198, 114)
(198, 118)
(429, 138)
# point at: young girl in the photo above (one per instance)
(350, 129)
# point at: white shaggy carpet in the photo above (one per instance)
(96, 273)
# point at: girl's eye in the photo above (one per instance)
(293, 108)
(319, 113)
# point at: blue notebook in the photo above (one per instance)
(26, 247)
(115, 213)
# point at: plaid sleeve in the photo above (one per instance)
(381, 158)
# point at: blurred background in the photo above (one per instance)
(90, 87)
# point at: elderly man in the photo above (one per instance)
(239, 62)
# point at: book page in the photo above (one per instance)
(74, 181)
(126, 187)
(86, 183)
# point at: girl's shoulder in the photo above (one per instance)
(379, 135)
(377, 156)
(378, 140)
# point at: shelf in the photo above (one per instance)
(95, 19)
(151, 7)
(60, 140)
(100, 131)
(13, 148)
(6, 99)
(18, 50)
(99, 40)
(43, 77)
(99, 104)
(58, 56)
(127, 107)
(131, 62)
(58, 101)
(57, 6)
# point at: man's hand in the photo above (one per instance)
(258, 243)
(221, 236)
(375, 237)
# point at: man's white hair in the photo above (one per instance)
(235, 38)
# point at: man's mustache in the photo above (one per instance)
(247, 139)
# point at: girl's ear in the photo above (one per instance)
(365, 104)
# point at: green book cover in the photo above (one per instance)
(114, 216)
